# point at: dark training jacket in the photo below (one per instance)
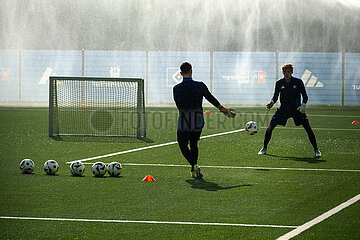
(188, 96)
(290, 93)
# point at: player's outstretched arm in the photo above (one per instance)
(270, 105)
(229, 112)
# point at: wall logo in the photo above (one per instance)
(45, 77)
(5, 74)
(115, 72)
(240, 78)
(356, 87)
(173, 77)
(247, 77)
(310, 80)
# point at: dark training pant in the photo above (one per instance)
(281, 116)
(183, 138)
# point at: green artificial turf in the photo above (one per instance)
(286, 187)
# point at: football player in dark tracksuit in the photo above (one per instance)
(289, 88)
(188, 96)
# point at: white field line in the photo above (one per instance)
(174, 142)
(151, 222)
(270, 114)
(323, 129)
(152, 146)
(319, 219)
(335, 116)
(239, 167)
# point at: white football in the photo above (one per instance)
(114, 169)
(251, 127)
(51, 167)
(77, 168)
(27, 166)
(98, 169)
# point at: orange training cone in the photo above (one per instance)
(82, 106)
(207, 111)
(149, 178)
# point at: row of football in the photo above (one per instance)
(77, 168)
(99, 169)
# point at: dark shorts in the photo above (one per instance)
(185, 136)
(281, 116)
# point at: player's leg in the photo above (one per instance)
(194, 139)
(312, 137)
(269, 131)
(194, 150)
(183, 145)
(301, 119)
(195, 170)
(183, 141)
(268, 134)
(280, 117)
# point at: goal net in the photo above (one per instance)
(95, 106)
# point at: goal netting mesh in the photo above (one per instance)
(94, 106)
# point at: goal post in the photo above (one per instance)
(96, 106)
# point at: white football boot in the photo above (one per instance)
(317, 153)
(262, 151)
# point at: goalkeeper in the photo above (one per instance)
(188, 96)
(289, 88)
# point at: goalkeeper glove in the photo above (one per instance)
(229, 112)
(269, 105)
(302, 108)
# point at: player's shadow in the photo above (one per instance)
(302, 159)
(102, 139)
(210, 186)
